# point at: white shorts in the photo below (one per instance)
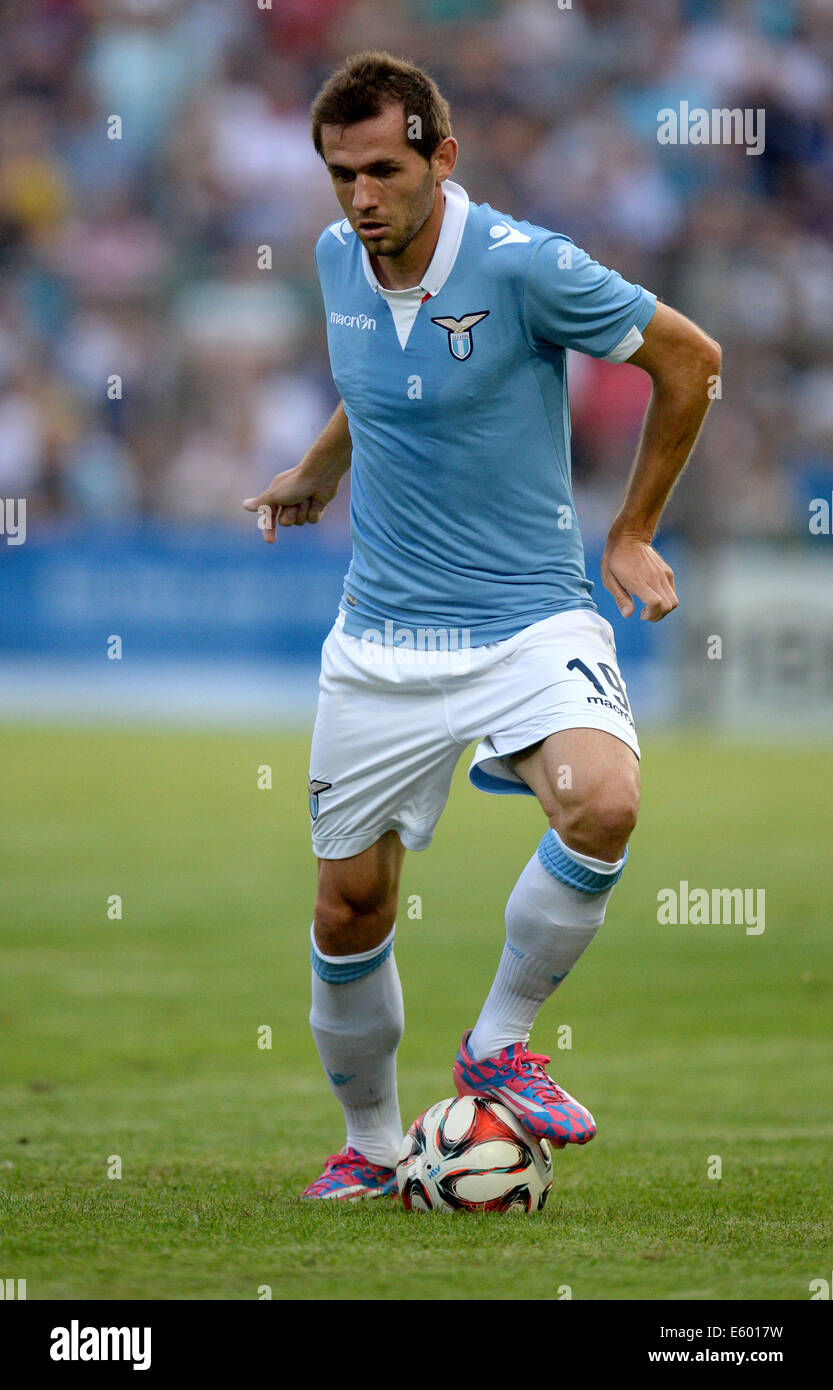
(392, 722)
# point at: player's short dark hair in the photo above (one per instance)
(369, 82)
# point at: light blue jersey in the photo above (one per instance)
(462, 510)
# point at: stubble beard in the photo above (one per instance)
(421, 208)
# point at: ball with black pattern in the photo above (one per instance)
(470, 1153)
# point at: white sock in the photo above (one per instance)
(357, 1021)
(550, 922)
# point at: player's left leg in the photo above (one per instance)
(587, 782)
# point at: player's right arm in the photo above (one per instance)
(301, 493)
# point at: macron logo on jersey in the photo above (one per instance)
(353, 321)
(340, 230)
(507, 236)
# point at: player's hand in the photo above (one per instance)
(631, 566)
(293, 498)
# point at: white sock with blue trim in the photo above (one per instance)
(357, 1021)
(553, 913)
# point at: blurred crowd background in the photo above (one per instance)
(139, 256)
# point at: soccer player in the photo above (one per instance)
(466, 614)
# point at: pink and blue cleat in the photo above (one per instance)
(348, 1175)
(516, 1077)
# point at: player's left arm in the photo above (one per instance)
(683, 362)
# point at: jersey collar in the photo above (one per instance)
(448, 243)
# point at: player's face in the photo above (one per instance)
(384, 185)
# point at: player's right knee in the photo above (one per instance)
(346, 925)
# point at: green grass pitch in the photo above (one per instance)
(138, 1037)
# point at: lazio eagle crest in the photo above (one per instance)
(316, 787)
(460, 344)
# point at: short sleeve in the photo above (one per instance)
(571, 301)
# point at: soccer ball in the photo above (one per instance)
(472, 1154)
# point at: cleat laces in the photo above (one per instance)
(537, 1061)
